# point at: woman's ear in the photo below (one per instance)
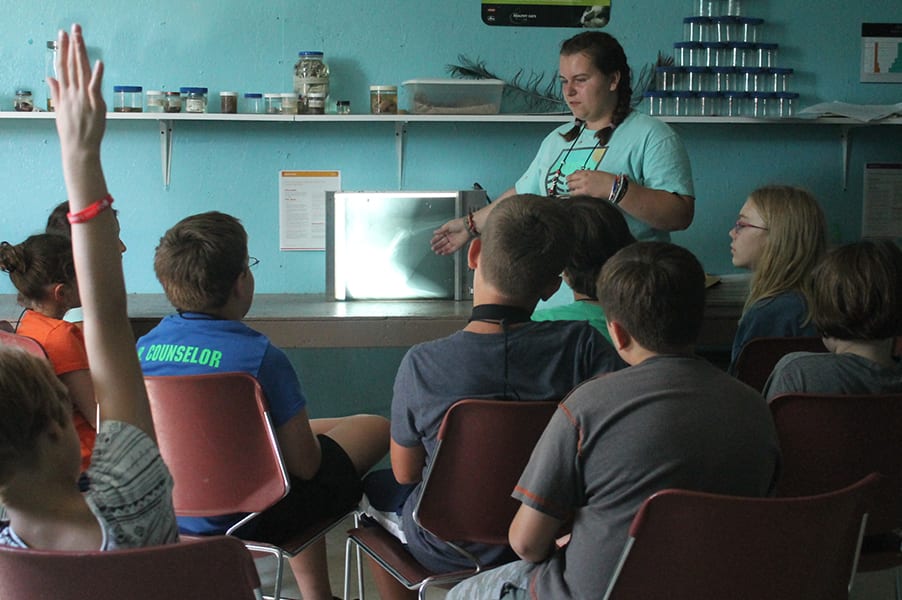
(615, 81)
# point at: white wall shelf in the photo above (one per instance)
(166, 123)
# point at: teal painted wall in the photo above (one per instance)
(252, 46)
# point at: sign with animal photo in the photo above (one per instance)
(546, 13)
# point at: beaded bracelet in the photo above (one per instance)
(471, 224)
(91, 211)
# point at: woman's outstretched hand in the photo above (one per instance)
(450, 237)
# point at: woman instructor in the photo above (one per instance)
(611, 152)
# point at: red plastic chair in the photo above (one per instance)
(483, 447)
(214, 568)
(687, 545)
(216, 436)
(759, 356)
(28, 344)
(830, 440)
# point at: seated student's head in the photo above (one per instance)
(780, 236)
(857, 292)
(43, 271)
(523, 248)
(58, 222)
(202, 262)
(656, 292)
(34, 403)
(599, 231)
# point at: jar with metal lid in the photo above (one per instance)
(128, 98)
(172, 102)
(383, 99)
(343, 107)
(272, 103)
(253, 103)
(311, 74)
(316, 103)
(194, 99)
(24, 101)
(153, 101)
(228, 102)
(50, 69)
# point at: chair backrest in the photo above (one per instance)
(215, 435)
(694, 545)
(215, 568)
(28, 344)
(829, 441)
(759, 356)
(483, 447)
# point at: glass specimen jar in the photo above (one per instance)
(128, 98)
(253, 103)
(311, 74)
(383, 99)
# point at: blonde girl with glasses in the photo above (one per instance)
(780, 236)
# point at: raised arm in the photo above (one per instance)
(110, 343)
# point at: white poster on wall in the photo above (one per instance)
(881, 52)
(882, 205)
(302, 208)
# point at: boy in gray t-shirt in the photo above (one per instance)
(671, 420)
(501, 353)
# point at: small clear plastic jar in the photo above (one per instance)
(761, 104)
(785, 102)
(734, 103)
(748, 28)
(128, 98)
(780, 77)
(766, 55)
(714, 54)
(742, 54)
(272, 103)
(153, 101)
(172, 102)
(707, 8)
(688, 54)
(343, 107)
(697, 29)
(683, 104)
(656, 101)
(289, 103)
(669, 78)
(726, 29)
(708, 103)
(750, 78)
(732, 7)
(723, 79)
(253, 103)
(228, 102)
(383, 99)
(698, 79)
(194, 99)
(24, 101)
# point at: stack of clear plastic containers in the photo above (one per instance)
(722, 67)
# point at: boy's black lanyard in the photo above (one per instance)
(503, 315)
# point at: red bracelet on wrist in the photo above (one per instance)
(90, 211)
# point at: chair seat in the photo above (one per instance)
(300, 539)
(388, 550)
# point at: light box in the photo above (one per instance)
(377, 245)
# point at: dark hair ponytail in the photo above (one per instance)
(39, 261)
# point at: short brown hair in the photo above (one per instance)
(199, 259)
(599, 231)
(31, 396)
(525, 244)
(656, 290)
(39, 261)
(857, 291)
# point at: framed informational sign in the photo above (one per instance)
(881, 52)
(546, 13)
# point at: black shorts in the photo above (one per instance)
(333, 491)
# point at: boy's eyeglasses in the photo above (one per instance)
(252, 262)
(740, 225)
